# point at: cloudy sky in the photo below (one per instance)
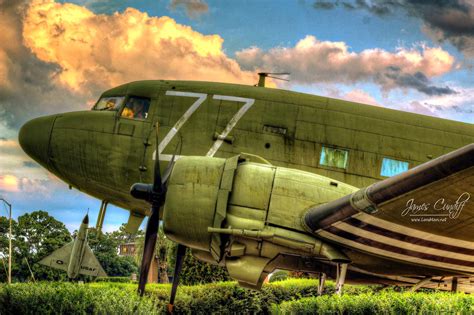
(58, 56)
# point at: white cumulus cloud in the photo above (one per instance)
(314, 61)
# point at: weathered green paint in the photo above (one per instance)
(103, 154)
(262, 216)
(98, 153)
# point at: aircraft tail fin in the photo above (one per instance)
(59, 259)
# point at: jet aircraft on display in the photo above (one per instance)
(256, 179)
(76, 257)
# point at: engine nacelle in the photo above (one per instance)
(247, 215)
(191, 200)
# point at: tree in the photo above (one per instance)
(195, 271)
(161, 249)
(4, 226)
(279, 275)
(37, 235)
(121, 236)
(105, 247)
(4, 246)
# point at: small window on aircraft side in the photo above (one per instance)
(393, 167)
(136, 108)
(109, 103)
(333, 157)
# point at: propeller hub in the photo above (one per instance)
(142, 191)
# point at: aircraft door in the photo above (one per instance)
(134, 128)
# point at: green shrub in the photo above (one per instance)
(70, 298)
(293, 296)
(197, 272)
(114, 279)
(279, 275)
(384, 302)
(116, 297)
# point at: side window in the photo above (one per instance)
(109, 103)
(393, 167)
(136, 107)
(333, 157)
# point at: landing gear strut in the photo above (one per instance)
(101, 216)
(341, 277)
(322, 279)
(454, 284)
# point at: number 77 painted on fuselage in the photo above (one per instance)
(201, 97)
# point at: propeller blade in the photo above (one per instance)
(151, 235)
(169, 168)
(278, 78)
(157, 183)
(181, 252)
(155, 195)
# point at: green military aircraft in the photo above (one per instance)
(255, 179)
(76, 257)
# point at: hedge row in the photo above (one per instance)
(69, 298)
(115, 279)
(224, 298)
(384, 302)
(121, 298)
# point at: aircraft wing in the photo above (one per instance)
(59, 259)
(90, 265)
(423, 216)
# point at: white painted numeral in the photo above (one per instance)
(248, 103)
(201, 97)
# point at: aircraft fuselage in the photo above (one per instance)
(102, 153)
(78, 249)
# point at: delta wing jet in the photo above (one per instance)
(76, 257)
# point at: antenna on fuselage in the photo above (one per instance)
(263, 75)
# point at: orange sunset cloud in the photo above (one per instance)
(107, 50)
(9, 183)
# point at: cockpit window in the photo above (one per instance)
(136, 107)
(109, 103)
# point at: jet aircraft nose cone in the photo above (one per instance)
(34, 138)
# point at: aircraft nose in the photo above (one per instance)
(34, 138)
